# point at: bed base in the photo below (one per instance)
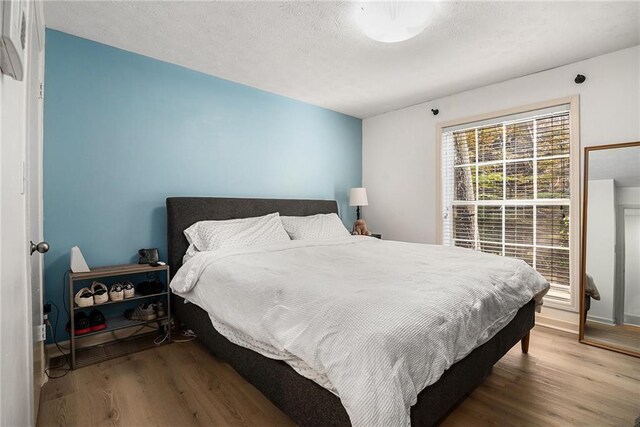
(309, 404)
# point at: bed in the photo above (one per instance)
(306, 402)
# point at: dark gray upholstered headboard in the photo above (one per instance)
(182, 212)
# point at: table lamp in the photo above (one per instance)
(358, 197)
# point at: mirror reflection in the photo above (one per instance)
(611, 282)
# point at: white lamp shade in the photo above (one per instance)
(358, 197)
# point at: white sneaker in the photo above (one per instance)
(84, 298)
(100, 293)
(129, 290)
(142, 312)
(116, 293)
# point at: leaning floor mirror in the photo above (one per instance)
(610, 285)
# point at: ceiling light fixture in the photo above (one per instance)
(393, 21)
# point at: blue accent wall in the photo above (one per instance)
(123, 131)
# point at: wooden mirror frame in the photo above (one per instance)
(583, 255)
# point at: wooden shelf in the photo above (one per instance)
(117, 270)
(133, 298)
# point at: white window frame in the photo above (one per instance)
(557, 297)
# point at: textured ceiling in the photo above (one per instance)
(314, 52)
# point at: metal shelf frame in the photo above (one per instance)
(117, 322)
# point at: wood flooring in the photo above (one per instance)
(625, 336)
(560, 382)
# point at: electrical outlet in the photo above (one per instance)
(39, 333)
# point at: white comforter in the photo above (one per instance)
(382, 320)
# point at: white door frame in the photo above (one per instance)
(34, 202)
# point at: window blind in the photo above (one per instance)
(505, 189)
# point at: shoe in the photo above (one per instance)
(156, 286)
(143, 288)
(82, 324)
(84, 298)
(144, 311)
(159, 307)
(129, 290)
(97, 320)
(117, 292)
(100, 293)
(150, 288)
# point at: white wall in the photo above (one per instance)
(399, 154)
(601, 242)
(398, 158)
(628, 195)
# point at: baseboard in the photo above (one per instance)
(562, 320)
(559, 324)
(632, 319)
(599, 319)
(52, 351)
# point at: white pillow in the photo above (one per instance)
(320, 226)
(191, 252)
(236, 233)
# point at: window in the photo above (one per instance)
(506, 190)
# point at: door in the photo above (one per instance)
(20, 128)
(33, 174)
(631, 272)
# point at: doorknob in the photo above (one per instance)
(42, 247)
